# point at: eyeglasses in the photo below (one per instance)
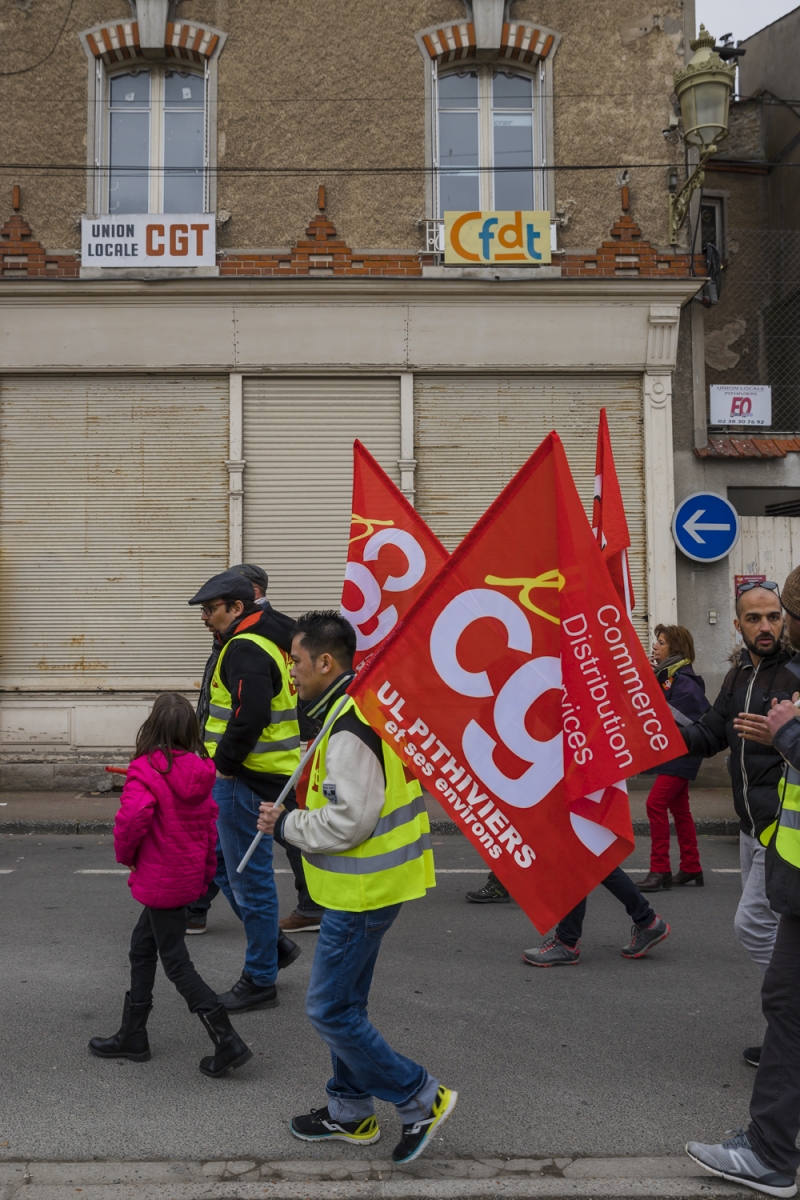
(209, 609)
(748, 587)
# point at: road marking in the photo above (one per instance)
(7, 871)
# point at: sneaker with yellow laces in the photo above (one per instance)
(417, 1135)
(318, 1126)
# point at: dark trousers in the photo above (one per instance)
(775, 1103)
(161, 933)
(570, 927)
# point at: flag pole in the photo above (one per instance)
(292, 780)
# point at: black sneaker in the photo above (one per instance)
(644, 937)
(752, 1055)
(245, 995)
(317, 1126)
(492, 892)
(417, 1135)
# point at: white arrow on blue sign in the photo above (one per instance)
(705, 526)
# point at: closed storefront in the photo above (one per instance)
(114, 509)
(298, 453)
(473, 432)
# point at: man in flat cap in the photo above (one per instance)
(251, 732)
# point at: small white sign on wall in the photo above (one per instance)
(152, 240)
(738, 404)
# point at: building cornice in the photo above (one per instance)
(299, 290)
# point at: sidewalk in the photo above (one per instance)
(84, 812)
(347, 1177)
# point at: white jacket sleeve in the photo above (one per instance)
(348, 819)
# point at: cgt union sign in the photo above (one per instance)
(501, 238)
(149, 240)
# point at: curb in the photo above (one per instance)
(710, 827)
(667, 1178)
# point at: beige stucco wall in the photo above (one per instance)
(315, 87)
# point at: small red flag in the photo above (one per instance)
(608, 517)
(391, 558)
(519, 694)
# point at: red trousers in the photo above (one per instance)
(670, 794)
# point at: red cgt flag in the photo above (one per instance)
(610, 526)
(391, 558)
(519, 694)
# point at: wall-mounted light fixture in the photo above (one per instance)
(703, 88)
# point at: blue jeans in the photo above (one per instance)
(252, 895)
(364, 1064)
(570, 927)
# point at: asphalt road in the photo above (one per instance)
(609, 1057)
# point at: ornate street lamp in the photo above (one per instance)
(703, 88)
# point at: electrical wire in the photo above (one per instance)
(188, 172)
(51, 51)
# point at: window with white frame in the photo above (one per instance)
(491, 138)
(155, 142)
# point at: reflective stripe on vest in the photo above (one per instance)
(277, 714)
(787, 827)
(277, 751)
(394, 864)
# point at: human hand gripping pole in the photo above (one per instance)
(293, 778)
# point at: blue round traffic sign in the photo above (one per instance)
(705, 526)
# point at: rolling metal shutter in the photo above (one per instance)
(298, 450)
(114, 510)
(473, 432)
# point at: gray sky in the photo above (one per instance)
(740, 17)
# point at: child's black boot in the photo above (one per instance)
(230, 1050)
(130, 1040)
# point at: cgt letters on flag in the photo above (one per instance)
(518, 693)
(392, 556)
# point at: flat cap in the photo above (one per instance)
(790, 595)
(251, 571)
(228, 585)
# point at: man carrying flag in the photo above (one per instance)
(365, 838)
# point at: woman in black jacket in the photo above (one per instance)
(673, 655)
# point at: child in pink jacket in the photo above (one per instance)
(166, 833)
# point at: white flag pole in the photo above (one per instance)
(292, 780)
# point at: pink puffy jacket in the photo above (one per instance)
(166, 829)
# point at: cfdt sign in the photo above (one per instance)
(503, 238)
(738, 404)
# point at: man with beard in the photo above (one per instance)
(760, 676)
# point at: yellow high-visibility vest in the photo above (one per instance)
(787, 826)
(394, 864)
(277, 751)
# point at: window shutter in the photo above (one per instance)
(298, 450)
(474, 432)
(113, 512)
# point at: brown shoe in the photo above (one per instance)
(681, 878)
(297, 923)
(656, 881)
